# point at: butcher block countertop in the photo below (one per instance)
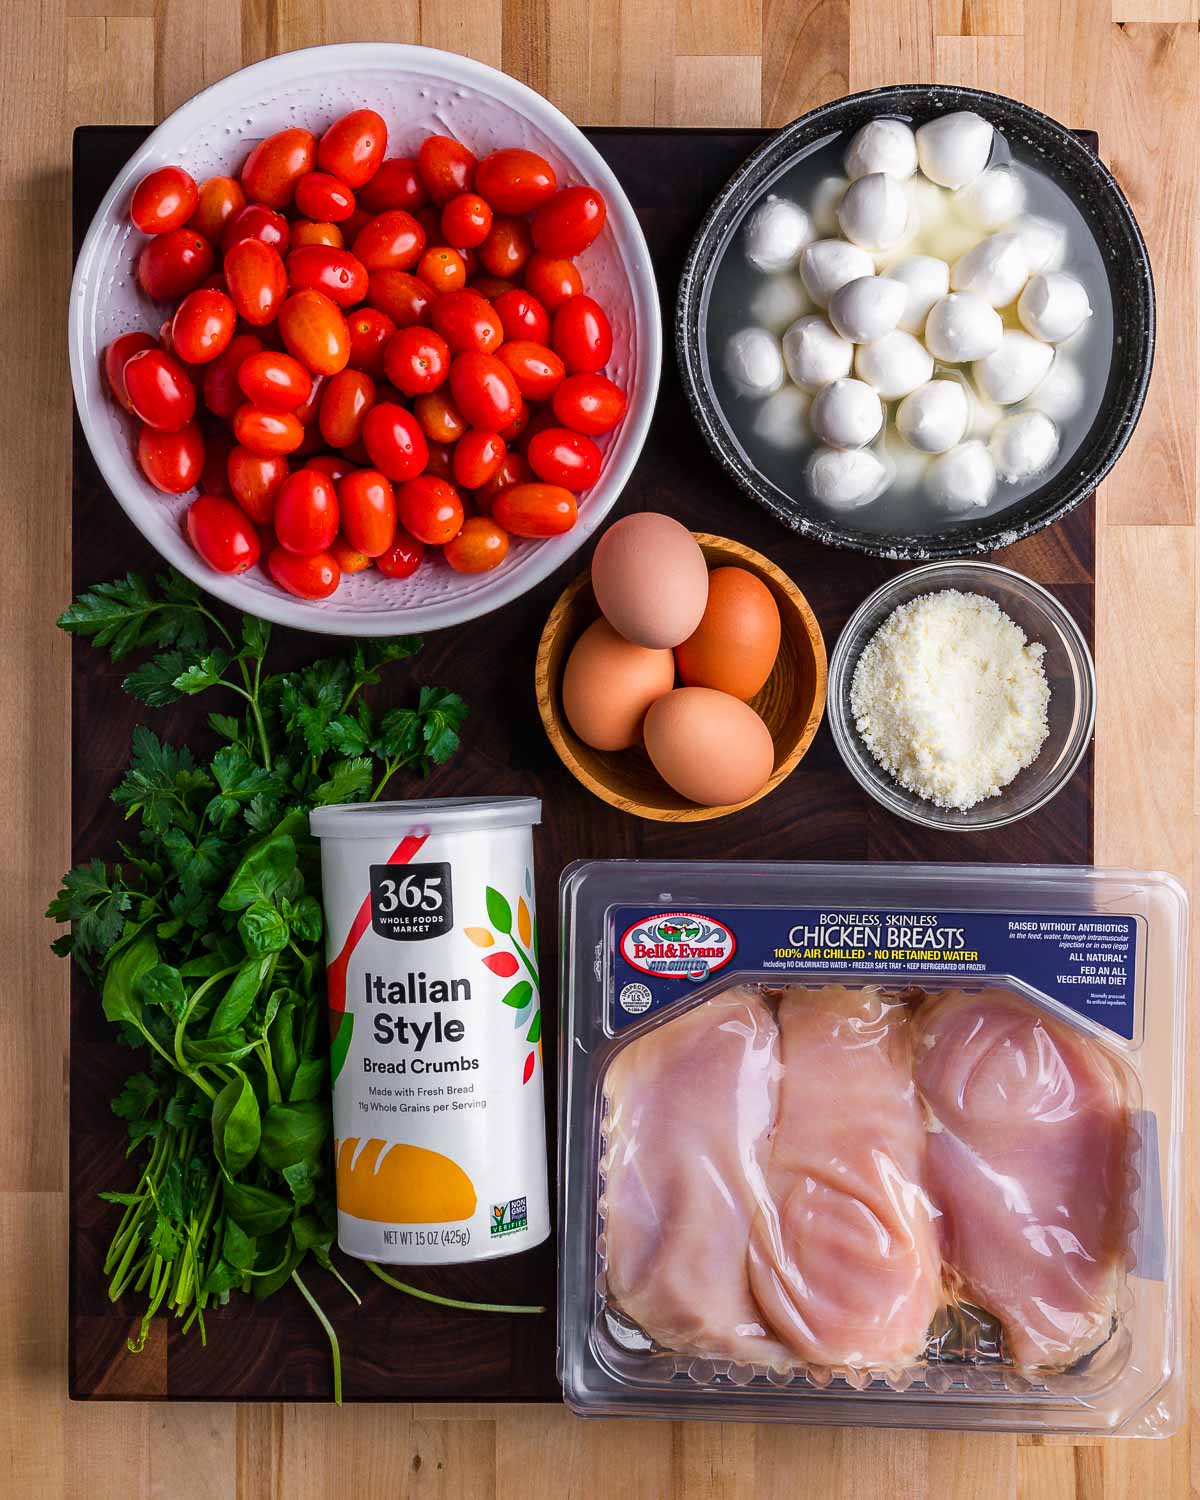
(1127, 68)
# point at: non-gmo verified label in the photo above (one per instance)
(410, 903)
(510, 1216)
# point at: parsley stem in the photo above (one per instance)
(414, 1291)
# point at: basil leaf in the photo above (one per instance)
(261, 873)
(257, 1210)
(119, 997)
(240, 996)
(263, 929)
(309, 1081)
(293, 1132)
(236, 1126)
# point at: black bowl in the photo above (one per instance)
(1093, 189)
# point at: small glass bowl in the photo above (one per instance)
(1069, 671)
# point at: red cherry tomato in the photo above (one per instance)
(490, 287)
(467, 322)
(337, 273)
(255, 479)
(393, 438)
(466, 221)
(257, 281)
(417, 360)
(439, 419)
(203, 326)
(515, 181)
(484, 391)
(403, 557)
(477, 458)
(271, 171)
(442, 269)
(306, 512)
(395, 185)
(222, 393)
(519, 424)
(560, 456)
(307, 232)
(368, 506)
(171, 461)
(370, 332)
(320, 195)
(160, 391)
(570, 221)
(514, 469)
(507, 248)
(345, 401)
(269, 432)
(256, 222)
(447, 168)
(537, 370)
(401, 296)
(173, 264)
(274, 382)
(391, 241)
(314, 330)
(218, 200)
(117, 355)
(522, 316)
(440, 462)
(335, 465)
(582, 335)
(352, 148)
(535, 510)
(309, 410)
(430, 509)
(589, 403)
(164, 200)
(222, 535)
(348, 558)
(552, 280)
(479, 547)
(314, 577)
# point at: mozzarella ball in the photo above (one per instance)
(984, 416)
(963, 479)
(776, 232)
(1014, 370)
(929, 205)
(925, 279)
(1053, 306)
(823, 204)
(874, 212)
(1062, 392)
(882, 146)
(782, 419)
(1023, 444)
(753, 361)
(846, 414)
(962, 326)
(954, 149)
(996, 269)
(867, 308)
(826, 265)
(779, 301)
(995, 198)
(845, 478)
(1044, 241)
(934, 417)
(895, 364)
(814, 354)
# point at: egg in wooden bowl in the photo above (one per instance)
(790, 702)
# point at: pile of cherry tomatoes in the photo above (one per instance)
(369, 355)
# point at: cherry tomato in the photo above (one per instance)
(306, 512)
(519, 423)
(335, 465)
(391, 241)
(269, 432)
(393, 438)
(537, 370)
(116, 356)
(214, 473)
(314, 577)
(348, 558)
(440, 420)
(160, 391)
(467, 322)
(507, 247)
(441, 461)
(222, 535)
(368, 506)
(479, 547)
(395, 185)
(403, 557)
(352, 148)
(514, 469)
(222, 393)
(203, 326)
(255, 479)
(274, 382)
(566, 458)
(589, 403)
(442, 269)
(320, 195)
(570, 221)
(417, 361)
(337, 273)
(370, 333)
(430, 509)
(309, 410)
(306, 232)
(314, 330)
(401, 296)
(552, 280)
(466, 220)
(522, 316)
(491, 287)
(164, 200)
(534, 510)
(218, 200)
(271, 171)
(257, 281)
(484, 391)
(447, 168)
(345, 401)
(477, 458)
(171, 461)
(255, 222)
(515, 181)
(173, 264)
(582, 335)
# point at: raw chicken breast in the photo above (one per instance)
(844, 1259)
(690, 1107)
(1026, 1165)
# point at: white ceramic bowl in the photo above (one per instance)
(418, 91)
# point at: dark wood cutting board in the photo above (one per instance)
(395, 1348)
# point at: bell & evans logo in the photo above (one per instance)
(678, 944)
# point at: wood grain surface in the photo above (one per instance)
(1130, 68)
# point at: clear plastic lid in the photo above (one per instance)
(371, 820)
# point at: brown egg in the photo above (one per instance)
(650, 579)
(735, 645)
(710, 747)
(608, 685)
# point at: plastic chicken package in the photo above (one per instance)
(883, 1145)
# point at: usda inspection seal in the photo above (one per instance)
(634, 999)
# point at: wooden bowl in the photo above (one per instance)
(791, 702)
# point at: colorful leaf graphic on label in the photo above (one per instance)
(528, 882)
(522, 1016)
(504, 964)
(520, 995)
(498, 910)
(339, 1045)
(528, 1073)
(524, 923)
(534, 1034)
(480, 936)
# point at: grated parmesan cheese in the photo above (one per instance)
(951, 698)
